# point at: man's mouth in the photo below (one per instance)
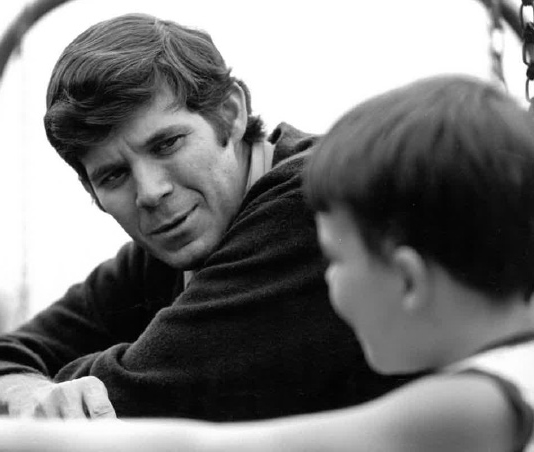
(171, 225)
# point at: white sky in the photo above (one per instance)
(305, 62)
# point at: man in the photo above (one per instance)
(218, 308)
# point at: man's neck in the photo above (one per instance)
(258, 160)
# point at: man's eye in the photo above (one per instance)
(112, 179)
(167, 146)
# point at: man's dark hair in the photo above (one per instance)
(444, 165)
(117, 66)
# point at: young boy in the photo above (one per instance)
(425, 210)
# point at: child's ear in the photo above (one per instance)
(234, 110)
(413, 270)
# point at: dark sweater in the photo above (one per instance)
(253, 336)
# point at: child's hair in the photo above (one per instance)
(444, 165)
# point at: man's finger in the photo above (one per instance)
(46, 410)
(68, 401)
(61, 402)
(97, 403)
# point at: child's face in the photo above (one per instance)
(365, 291)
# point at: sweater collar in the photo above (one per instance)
(261, 161)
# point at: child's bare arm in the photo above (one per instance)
(444, 413)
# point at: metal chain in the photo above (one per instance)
(526, 16)
(496, 35)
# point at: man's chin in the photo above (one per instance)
(187, 258)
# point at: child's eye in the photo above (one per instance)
(328, 255)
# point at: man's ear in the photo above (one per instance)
(415, 275)
(234, 110)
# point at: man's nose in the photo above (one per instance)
(152, 184)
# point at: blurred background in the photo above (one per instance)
(305, 62)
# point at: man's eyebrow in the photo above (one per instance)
(162, 134)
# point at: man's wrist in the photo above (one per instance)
(21, 382)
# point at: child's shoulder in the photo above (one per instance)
(486, 400)
(509, 365)
(510, 359)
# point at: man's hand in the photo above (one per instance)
(34, 396)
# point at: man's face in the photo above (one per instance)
(168, 182)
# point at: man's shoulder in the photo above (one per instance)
(130, 255)
(281, 186)
(290, 143)
(132, 276)
(133, 263)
